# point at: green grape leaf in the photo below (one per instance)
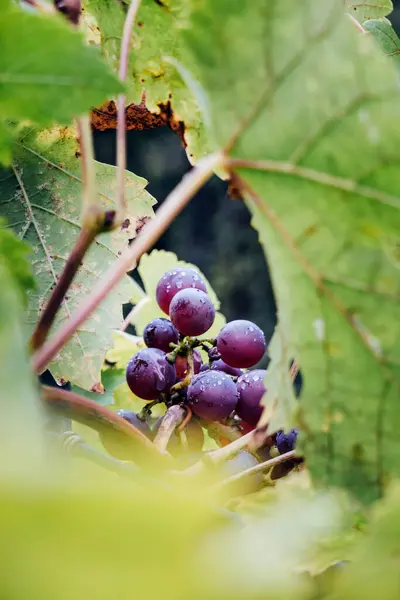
(124, 347)
(279, 399)
(157, 64)
(151, 268)
(47, 72)
(42, 203)
(385, 35)
(369, 9)
(321, 151)
(111, 378)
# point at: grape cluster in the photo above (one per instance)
(171, 370)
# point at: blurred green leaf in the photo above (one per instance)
(47, 72)
(44, 208)
(151, 268)
(385, 35)
(368, 9)
(326, 207)
(374, 569)
(157, 62)
(19, 403)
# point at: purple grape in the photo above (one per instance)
(173, 282)
(192, 312)
(213, 354)
(181, 365)
(212, 395)
(285, 442)
(160, 333)
(114, 445)
(241, 344)
(251, 389)
(149, 373)
(134, 420)
(194, 435)
(220, 365)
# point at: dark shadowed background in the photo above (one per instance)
(213, 231)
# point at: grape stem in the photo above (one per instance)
(121, 101)
(46, 320)
(172, 418)
(217, 456)
(74, 445)
(89, 413)
(186, 420)
(216, 430)
(150, 233)
(260, 468)
(188, 377)
(133, 312)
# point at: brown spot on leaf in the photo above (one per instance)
(140, 223)
(138, 118)
(125, 224)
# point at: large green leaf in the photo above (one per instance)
(42, 201)
(157, 58)
(47, 72)
(297, 87)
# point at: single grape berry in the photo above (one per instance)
(194, 436)
(181, 364)
(173, 282)
(149, 373)
(285, 442)
(251, 388)
(160, 333)
(220, 365)
(241, 344)
(192, 312)
(114, 445)
(212, 395)
(134, 420)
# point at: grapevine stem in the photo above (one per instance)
(226, 452)
(260, 468)
(172, 418)
(356, 23)
(121, 101)
(150, 233)
(71, 267)
(137, 308)
(188, 377)
(216, 430)
(100, 418)
(89, 208)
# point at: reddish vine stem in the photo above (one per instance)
(150, 233)
(172, 418)
(121, 101)
(46, 320)
(260, 468)
(189, 414)
(91, 414)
